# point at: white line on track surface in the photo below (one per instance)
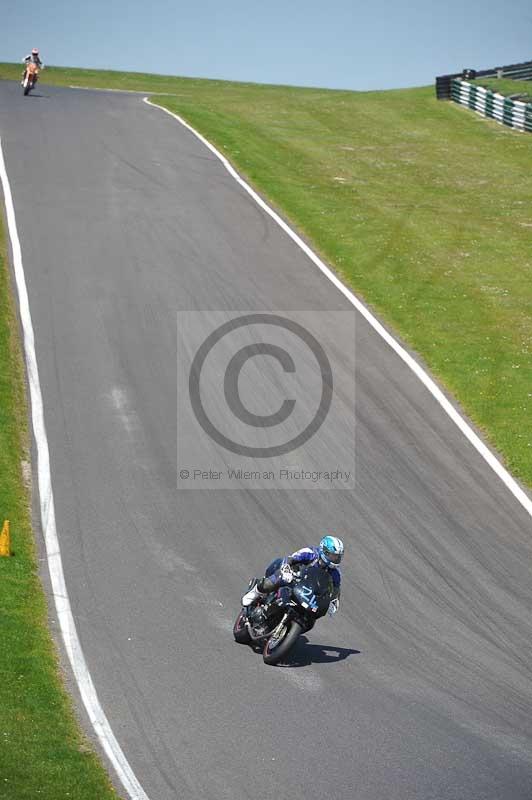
(418, 370)
(81, 672)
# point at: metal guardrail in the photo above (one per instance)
(491, 104)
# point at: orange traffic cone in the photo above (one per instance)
(5, 542)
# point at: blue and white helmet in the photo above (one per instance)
(331, 550)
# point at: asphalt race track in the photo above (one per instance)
(421, 688)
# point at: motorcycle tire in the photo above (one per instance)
(273, 653)
(240, 630)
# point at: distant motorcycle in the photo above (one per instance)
(276, 622)
(31, 75)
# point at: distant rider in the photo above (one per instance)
(327, 555)
(32, 58)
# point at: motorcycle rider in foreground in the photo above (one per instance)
(327, 555)
(31, 58)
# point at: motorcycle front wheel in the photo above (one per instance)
(276, 649)
(240, 629)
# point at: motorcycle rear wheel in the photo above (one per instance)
(240, 629)
(276, 650)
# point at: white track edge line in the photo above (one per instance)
(62, 603)
(416, 368)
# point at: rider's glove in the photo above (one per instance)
(286, 573)
(333, 607)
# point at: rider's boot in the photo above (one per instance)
(250, 597)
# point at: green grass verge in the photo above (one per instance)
(42, 752)
(421, 206)
(506, 86)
